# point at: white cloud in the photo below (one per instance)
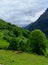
(37, 15)
(18, 11)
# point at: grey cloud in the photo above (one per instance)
(21, 11)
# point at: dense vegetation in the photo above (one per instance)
(10, 32)
(19, 39)
(38, 42)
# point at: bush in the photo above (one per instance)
(13, 44)
(22, 46)
(37, 42)
(18, 44)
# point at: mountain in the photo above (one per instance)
(41, 23)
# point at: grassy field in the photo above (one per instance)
(3, 44)
(14, 58)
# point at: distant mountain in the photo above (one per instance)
(41, 23)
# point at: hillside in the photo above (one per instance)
(41, 23)
(10, 31)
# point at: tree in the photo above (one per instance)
(13, 44)
(18, 44)
(37, 42)
(25, 33)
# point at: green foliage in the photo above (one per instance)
(22, 46)
(37, 42)
(1, 35)
(18, 38)
(13, 44)
(18, 44)
(25, 33)
(12, 30)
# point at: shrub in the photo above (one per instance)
(17, 44)
(37, 42)
(22, 46)
(13, 44)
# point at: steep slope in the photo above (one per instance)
(10, 30)
(41, 23)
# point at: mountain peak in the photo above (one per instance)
(47, 10)
(41, 23)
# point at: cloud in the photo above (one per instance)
(21, 12)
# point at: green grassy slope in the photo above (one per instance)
(3, 44)
(15, 58)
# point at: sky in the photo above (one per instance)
(22, 12)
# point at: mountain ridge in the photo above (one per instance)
(41, 23)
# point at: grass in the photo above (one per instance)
(3, 44)
(14, 58)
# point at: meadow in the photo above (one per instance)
(14, 58)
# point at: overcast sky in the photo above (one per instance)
(22, 12)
